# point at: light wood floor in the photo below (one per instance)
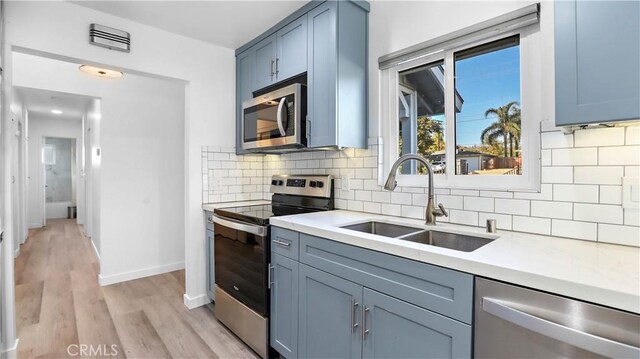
(59, 303)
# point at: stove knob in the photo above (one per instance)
(319, 184)
(312, 184)
(274, 182)
(280, 183)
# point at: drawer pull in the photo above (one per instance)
(286, 244)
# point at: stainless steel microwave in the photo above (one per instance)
(276, 120)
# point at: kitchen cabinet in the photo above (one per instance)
(281, 55)
(337, 75)
(284, 305)
(597, 52)
(245, 83)
(354, 302)
(329, 316)
(327, 41)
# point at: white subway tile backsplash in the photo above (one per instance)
(598, 213)
(413, 212)
(548, 209)
(611, 175)
(450, 202)
(622, 155)
(591, 137)
(632, 217)
(465, 192)
(381, 196)
(401, 198)
(532, 225)
(546, 193)
(391, 209)
(575, 193)
(611, 195)
(355, 206)
(496, 194)
(363, 196)
(463, 217)
(545, 157)
(420, 199)
(632, 171)
(625, 235)
(512, 206)
(556, 139)
(574, 156)
(573, 229)
(632, 135)
(557, 174)
(480, 204)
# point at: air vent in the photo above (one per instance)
(109, 37)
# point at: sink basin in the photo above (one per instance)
(459, 242)
(382, 229)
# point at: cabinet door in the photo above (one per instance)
(284, 305)
(397, 329)
(291, 56)
(321, 75)
(211, 285)
(329, 316)
(597, 51)
(265, 62)
(245, 85)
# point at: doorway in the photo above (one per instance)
(60, 177)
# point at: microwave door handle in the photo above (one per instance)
(279, 117)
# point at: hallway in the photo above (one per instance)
(61, 308)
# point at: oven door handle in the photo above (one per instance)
(279, 120)
(244, 227)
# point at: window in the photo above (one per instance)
(465, 108)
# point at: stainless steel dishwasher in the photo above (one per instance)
(516, 322)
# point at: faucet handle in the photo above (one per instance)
(443, 211)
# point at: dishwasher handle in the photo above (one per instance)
(577, 338)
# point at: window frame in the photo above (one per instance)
(530, 104)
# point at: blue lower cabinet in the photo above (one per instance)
(329, 316)
(397, 329)
(284, 305)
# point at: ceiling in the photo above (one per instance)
(229, 24)
(41, 102)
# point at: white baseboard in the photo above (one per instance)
(12, 353)
(35, 225)
(197, 301)
(95, 250)
(141, 273)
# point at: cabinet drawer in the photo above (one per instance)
(441, 290)
(285, 242)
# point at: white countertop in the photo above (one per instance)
(595, 272)
(211, 206)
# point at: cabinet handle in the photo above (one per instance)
(277, 66)
(354, 324)
(281, 243)
(272, 72)
(365, 331)
(269, 276)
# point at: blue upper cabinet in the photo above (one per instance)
(245, 85)
(337, 75)
(597, 57)
(291, 54)
(265, 59)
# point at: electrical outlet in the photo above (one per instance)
(345, 183)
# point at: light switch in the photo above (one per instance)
(630, 192)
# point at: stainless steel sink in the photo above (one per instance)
(459, 242)
(382, 229)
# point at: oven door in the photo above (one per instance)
(241, 252)
(274, 120)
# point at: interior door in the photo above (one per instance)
(329, 323)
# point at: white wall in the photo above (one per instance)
(140, 129)
(208, 69)
(41, 126)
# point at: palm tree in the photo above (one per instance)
(507, 127)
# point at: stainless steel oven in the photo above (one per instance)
(276, 120)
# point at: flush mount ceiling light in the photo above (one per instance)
(96, 71)
(56, 112)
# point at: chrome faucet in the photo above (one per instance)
(432, 212)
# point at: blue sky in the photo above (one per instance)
(485, 81)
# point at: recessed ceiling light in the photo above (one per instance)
(56, 112)
(96, 71)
